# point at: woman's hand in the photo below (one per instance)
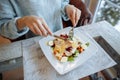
(36, 24)
(86, 15)
(73, 13)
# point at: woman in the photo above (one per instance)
(42, 17)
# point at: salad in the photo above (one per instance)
(65, 49)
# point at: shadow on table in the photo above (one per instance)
(12, 69)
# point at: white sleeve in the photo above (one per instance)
(63, 4)
(8, 26)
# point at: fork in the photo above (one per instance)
(59, 37)
(71, 33)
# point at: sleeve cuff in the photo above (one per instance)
(14, 32)
(19, 31)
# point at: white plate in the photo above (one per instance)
(63, 68)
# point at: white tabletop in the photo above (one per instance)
(37, 67)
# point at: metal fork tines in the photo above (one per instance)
(71, 33)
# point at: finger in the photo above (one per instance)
(31, 27)
(81, 23)
(77, 16)
(36, 29)
(41, 27)
(86, 21)
(72, 17)
(47, 28)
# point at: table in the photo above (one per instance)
(37, 67)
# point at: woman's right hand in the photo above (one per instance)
(36, 24)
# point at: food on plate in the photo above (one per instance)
(65, 49)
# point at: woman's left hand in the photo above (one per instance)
(73, 13)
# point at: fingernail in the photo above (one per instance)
(45, 34)
(50, 33)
